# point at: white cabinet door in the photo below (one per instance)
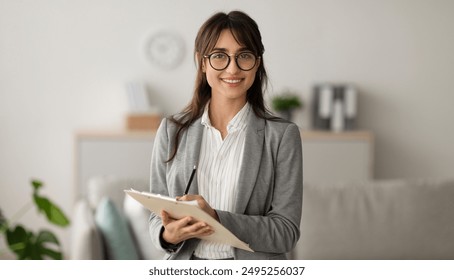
(123, 155)
(337, 157)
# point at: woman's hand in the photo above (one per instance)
(176, 231)
(201, 202)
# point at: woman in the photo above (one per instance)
(249, 164)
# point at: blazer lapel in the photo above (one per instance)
(253, 146)
(191, 158)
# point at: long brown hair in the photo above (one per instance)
(246, 32)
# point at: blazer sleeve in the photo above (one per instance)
(158, 182)
(277, 230)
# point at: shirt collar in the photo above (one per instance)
(238, 121)
(205, 117)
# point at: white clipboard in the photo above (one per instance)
(179, 209)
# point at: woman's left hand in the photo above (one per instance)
(201, 202)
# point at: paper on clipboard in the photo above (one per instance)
(179, 209)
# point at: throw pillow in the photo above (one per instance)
(114, 228)
(86, 242)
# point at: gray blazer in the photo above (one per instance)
(268, 212)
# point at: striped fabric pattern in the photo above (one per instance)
(217, 173)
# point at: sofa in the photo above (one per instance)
(107, 224)
(370, 220)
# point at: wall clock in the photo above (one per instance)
(165, 49)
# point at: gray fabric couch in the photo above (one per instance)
(392, 219)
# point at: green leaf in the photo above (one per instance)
(37, 184)
(286, 102)
(18, 240)
(44, 239)
(2, 220)
(53, 213)
(28, 246)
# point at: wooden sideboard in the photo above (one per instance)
(327, 156)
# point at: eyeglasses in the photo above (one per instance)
(220, 60)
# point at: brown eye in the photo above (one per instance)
(246, 56)
(218, 56)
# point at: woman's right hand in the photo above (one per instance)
(178, 230)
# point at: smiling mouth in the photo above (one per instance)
(232, 81)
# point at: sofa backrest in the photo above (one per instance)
(112, 187)
(392, 219)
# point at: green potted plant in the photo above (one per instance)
(285, 103)
(26, 244)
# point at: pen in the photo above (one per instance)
(190, 180)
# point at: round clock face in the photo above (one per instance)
(165, 49)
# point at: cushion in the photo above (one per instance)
(116, 234)
(137, 217)
(86, 242)
(106, 186)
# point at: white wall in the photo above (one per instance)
(64, 64)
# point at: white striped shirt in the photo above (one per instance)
(217, 173)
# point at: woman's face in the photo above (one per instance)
(232, 83)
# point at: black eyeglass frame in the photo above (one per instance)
(230, 60)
